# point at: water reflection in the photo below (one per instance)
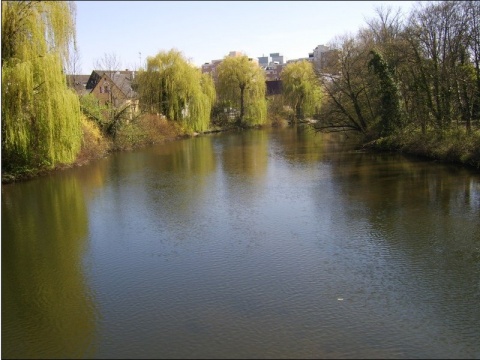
(46, 307)
(301, 144)
(277, 243)
(178, 178)
(409, 227)
(244, 159)
(246, 154)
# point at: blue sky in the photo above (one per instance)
(208, 30)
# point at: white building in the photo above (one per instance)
(319, 55)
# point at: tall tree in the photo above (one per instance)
(349, 102)
(173, 87)
(471, 11)
(40, 115)
(437, 33)
(241, 83)
(301, 89)
(390, 107)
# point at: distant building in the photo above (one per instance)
(235, 53)
(273, 71)
(326, 59)
(320, 54)
(211, 67)
(276, 57)
(321, 57)
(263, 61)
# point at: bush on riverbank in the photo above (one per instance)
(94, 144)
(278, 114)
(146, 130)
(453, 146)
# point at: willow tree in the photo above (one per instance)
(41, 123)
(171, 86)
(241, 83)
(301, 89)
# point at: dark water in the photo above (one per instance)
(261, 244)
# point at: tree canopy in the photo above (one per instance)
(301, 88)
(171, 86)
(241, 85)
(420, 72)
(41, 119)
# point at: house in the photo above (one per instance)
(112, 88)
(78, 83)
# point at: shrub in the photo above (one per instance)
(94, 144)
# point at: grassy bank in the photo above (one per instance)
(454, 146)
(146, 130)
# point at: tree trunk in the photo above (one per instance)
(242, 105)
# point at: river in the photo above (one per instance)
(277, 243)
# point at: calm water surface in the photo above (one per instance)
(261, 244)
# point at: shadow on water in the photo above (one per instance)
(47, 309)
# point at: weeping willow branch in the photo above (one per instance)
(174, 88)
(241, 83)
(39, 128)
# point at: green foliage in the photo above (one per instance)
(147, 129)
(241, 85)
(41, 119)
(389, 95)
(456, 146)
(33, 28)
(93, 110)
(301, 89)
(173, 87)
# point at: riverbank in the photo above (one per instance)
(455, 146)
(146, 131)
(451, 147)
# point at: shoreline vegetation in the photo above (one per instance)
(148, 130)
(405, 83)
(456, 147)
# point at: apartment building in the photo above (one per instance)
(265, 61)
